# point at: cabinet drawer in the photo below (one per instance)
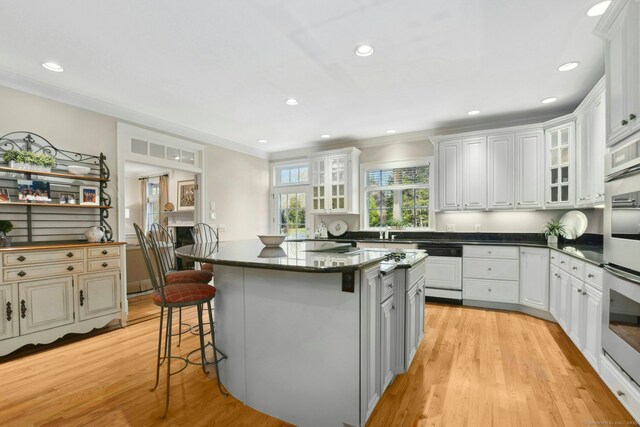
(576, 268)
(104, 252)
(489, 290)
(416, 273)
(36, 257)
(18, 274)
(554, 258)
(564, 262)
(500, 269)
(593, 276)
(103, 264)
(387, 287)
(480, 251)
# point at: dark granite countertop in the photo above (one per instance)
(291, 256)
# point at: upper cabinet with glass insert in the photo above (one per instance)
(334, 181)
(560, 174)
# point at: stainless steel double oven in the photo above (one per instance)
(621, 299)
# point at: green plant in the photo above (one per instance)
(392, 222)
(10, 156)
(553, 228)
(5, 226)
(29, 157)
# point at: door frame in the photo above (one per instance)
(273, 208)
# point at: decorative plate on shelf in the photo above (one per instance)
(338, 227)
(575, 224)
(168, 207)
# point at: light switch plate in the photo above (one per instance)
(451, 227)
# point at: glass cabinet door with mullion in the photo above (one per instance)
(318, 185)
(560, 164)
(338, 170)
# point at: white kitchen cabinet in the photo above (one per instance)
(530, 166)
(414, 320)
(370, 341)
(335, 181)
(564, 292)
(575, 311)
(45, 304)
(490, 273)
(560, 170)
(449, 154)
(554, 292)
(501, 171)
(8, 311)
(474, 173)
(98, 294)
(534, 277)
(619, 29)
(387, 341)
(592, 325)
(590, 148)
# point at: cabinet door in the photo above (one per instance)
(575, 310)
(616, 69)
(634, 70)
(501, 172)
(98, 294)
(9, 312)
(338, 183)
(411, 332)
(421, 312)
(530, 170)
(584, 174)
(370, 342)
(318, 185)
(45, 304)
(597, 147)
(474, 173)
(560, 174)
(592, 323)
(554, 292)
(387, 341)
(534, 277)
(565, 300)
(450, 174)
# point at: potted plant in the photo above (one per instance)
(27, 160)
(552, 230)
(395, 224)
(5, 227)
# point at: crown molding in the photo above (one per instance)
(35, 87)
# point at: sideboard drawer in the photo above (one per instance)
(103, 264)
(18, 274)
(36, 257)
(104, 252)
(482, 251)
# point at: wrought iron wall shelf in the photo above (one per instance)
(55, 221)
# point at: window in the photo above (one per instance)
(397, 194)
(153, 201)
(291, 174)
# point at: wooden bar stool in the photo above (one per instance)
(165, 254)
(179, 295)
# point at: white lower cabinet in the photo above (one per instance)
(554, 291)
(8, 311)
(592, 325)
(98, 294)
(387, 341)
(45, 304)
(534, 278)
(564, 293)
(414, 320)
(370, 341)
(575, 310)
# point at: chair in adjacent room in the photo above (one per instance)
(178, 295)
(204, 233)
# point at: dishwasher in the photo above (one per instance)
(443, 276)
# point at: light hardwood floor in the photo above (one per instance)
(474, 367)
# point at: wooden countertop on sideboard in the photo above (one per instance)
(54, 245)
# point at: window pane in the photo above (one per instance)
(304, 174)
(422, 197)
(173, 154)
(293, 175)
(397, 176)
(284, 176)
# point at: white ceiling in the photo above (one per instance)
(224, 68)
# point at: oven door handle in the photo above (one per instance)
(621, 274)
(632, 170)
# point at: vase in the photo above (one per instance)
(28, 166)
(552, 240)
(5, 240)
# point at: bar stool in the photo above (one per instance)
(204, 233)
(179, 295)
(165, 254)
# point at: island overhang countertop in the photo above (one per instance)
(315, 257)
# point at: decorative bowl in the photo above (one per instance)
(78, 170)
(272, 252)
(272, 241)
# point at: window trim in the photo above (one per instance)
(365, 167)
(275, 169)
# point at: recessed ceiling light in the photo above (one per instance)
(291, 101)
(391, 131)
(549, 100)
(568, 66)
(364, 50)
(473, 112)
(52, 66)
(262, 141)
(325, 136)
(598, 8)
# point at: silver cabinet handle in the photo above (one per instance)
(632, 116)
(584, 292)
(579, 291)
(390, 285)
(590, 276)
(489, 289)
(489, 268)
(561, 262)
(620, 393)
(393, 306)
(574, 268)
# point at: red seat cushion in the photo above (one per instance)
(188, 276)
(207, 266)
(185, 292)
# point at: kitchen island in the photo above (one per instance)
(313, 335)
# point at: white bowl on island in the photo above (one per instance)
(78, 170)
(272, 241)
